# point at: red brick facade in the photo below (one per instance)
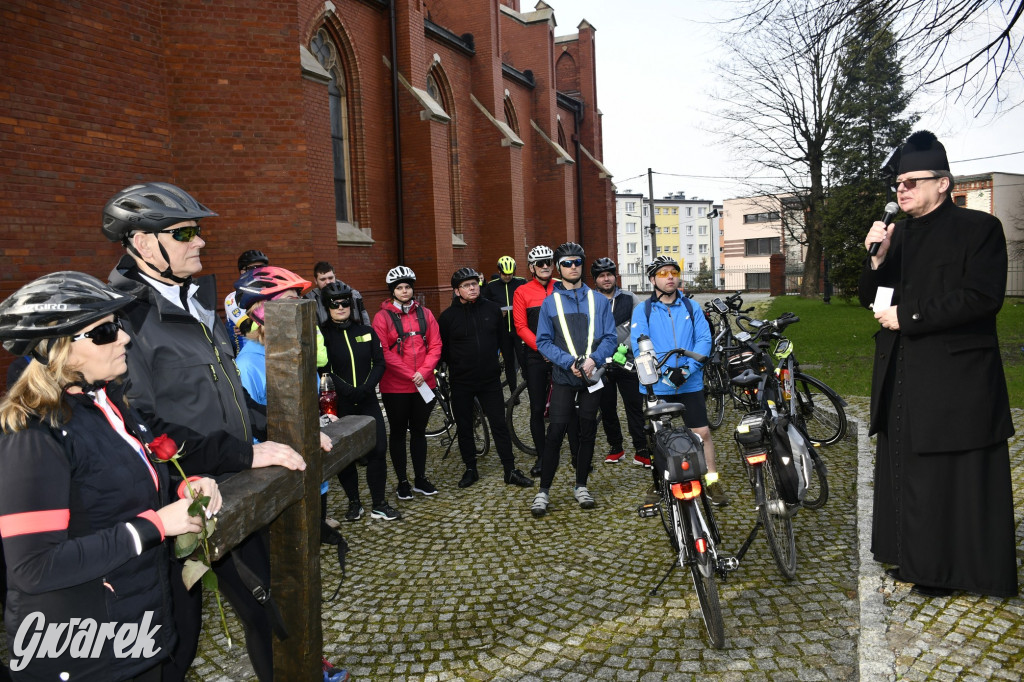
(211, 96)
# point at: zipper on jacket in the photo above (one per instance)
(351, 358)
(234, 395)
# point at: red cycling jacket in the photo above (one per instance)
(526, 308)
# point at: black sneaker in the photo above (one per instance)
(404, 490)
(535, 471)
(517, 477)
(469, 478)
(424, 487)
(385, 512)
(355, 511)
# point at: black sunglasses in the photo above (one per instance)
(185, 234)
(336, 303)
(546, 263)
(103, 334)
(571, 263)
(910, 183)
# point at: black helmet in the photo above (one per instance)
(463, 274)
(660, 262)
(55, 305)
(568, 249)
(335, 290)
(603, 265)
(149, 207)
(252, 257)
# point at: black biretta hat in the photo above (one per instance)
(922, 152)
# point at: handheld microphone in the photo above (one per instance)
(891, 209)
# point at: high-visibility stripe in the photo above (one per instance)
(34, 522)
(571, 347)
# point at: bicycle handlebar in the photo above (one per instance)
(702, 359)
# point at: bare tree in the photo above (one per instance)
(779, 102)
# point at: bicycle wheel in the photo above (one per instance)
(702, 568)
(714, 395)
(481, 432)
(819, 409)
(817, 491)
(778, 527)
(517, 418)
(441, 421)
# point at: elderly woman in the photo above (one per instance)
(83, 509)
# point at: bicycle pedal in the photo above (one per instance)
(728, 564)
(647, 511)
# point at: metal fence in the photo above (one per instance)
(1015, 279)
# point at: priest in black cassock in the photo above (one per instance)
(943, 506)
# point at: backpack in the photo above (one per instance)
(403, 335)
(792, 460)
(679, 455)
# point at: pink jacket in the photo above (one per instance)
(417, 354)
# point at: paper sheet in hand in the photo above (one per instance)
(883, 299)
(425, 391)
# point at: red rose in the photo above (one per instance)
(164, 447)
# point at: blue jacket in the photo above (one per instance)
(671, 327)
(252, 367)
(551, 342)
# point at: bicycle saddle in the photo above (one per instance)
(662, 409)
(747, 377)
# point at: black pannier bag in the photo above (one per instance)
(679, 455)
(792, 460)
(752, 431)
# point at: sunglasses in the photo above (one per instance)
(665, 274)
(546, 263)
(910, 183)
(186, 234)
(571, 263)
(103, 334)
(336, 303)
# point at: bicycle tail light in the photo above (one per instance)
(756, 457)
(687, 490)
(701, 544)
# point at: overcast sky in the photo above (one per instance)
(655, 70)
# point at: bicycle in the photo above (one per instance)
(685, 511)
(716, 376)
(442, 419)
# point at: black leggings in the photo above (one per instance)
(538, 381)
(492, 403)
(376, 468)
(632, 401)
(513, 351)
(565, 401)
(408, 413)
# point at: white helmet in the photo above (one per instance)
(539, 253)
(398, 275)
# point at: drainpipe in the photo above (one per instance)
(578, 116)
(397, 130)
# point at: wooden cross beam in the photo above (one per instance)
(289, 501)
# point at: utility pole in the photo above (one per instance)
(650, 188)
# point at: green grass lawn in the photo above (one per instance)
(834, 342)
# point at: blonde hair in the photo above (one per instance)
(39, 391)
(256, 333)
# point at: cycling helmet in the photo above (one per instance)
(569, 249)
(400, 274)
(603, 265)
(149, 207)
(660, 262)
(507, 265)
(539, 253)
(251, 257)
(266, 284)
(464, 274)
(335, 290)
(55, 305)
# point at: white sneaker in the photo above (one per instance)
(584, 497)
(540, 504)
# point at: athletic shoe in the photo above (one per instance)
(424, 487)
(614, 457)
(384, 511)
(332, 523)
(642, 460)
(469, 478)
(333, 674)
(718, 496)
(404, 490)
(584, 497)
(540, 505)
(535, 471)
(517, 477)
(355, 511)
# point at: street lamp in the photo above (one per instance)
(714, 237)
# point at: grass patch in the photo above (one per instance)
(835, 342)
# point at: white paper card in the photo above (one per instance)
(597, 386)
(507, 308)
(883, 299)
(425, 391)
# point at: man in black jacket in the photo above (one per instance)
(943, 504)
(501, 290)
(469, 345)
(184, 381)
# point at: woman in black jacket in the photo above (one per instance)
(355, 360)
(83, 510)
